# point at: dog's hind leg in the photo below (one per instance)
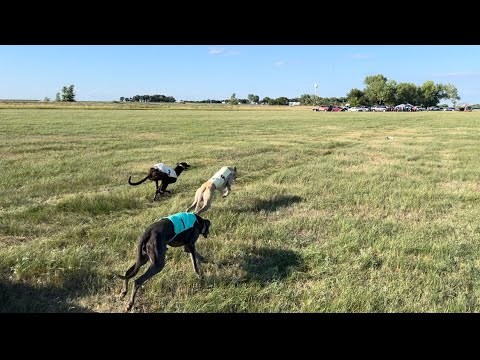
(152, 270)
(207, 202)
(190, 208)
(132, 271)
(163, 189)
(198, 198)
(157, 190)
(157, 259)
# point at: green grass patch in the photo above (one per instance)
(326, 214)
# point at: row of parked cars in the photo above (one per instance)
(384, 108)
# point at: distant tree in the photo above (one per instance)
(306, 99)
(281, 100)
(451, 93)
(46, 99)
(253, 98)
(233, 100)
(57, 97)
(430, 93)
(122, 98)
(376, 90)
(356, 97)
(68, 94)
(266, 100)
(391, 91)
(407, 93)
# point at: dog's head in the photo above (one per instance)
(183, 165)
(234, 172)
(205, 227)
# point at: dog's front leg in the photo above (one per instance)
(158, 191)
(226, 191)
(200, 257)
(193, 256)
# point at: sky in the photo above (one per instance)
(201, 72)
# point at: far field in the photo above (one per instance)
(325, 216)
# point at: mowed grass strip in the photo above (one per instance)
(326, 214)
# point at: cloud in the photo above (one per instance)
(216, 51)
(458, 74)
(362, 56)
(279, 63)
(222, 52)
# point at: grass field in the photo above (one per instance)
(325, 216)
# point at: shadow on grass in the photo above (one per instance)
(25, 298)
(271, 205)
(266, 265)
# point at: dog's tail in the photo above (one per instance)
(138, 264)
(137, 183)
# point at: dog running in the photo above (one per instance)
(163, 173)
(222, 180)
(180, 229)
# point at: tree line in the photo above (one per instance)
(378, 90)
(149, 98)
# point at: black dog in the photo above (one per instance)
(160, 172)
(181, 229)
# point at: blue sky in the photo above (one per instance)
(199, 72)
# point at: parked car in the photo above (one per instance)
(323, 108)
(354, 108)
(379, 108)
(337, 109)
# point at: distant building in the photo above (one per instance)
(293, 103)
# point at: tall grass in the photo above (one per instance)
(325, 216)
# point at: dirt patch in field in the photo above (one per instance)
(460, 186)
(6, 241)
(13, 155)
(375, 160)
